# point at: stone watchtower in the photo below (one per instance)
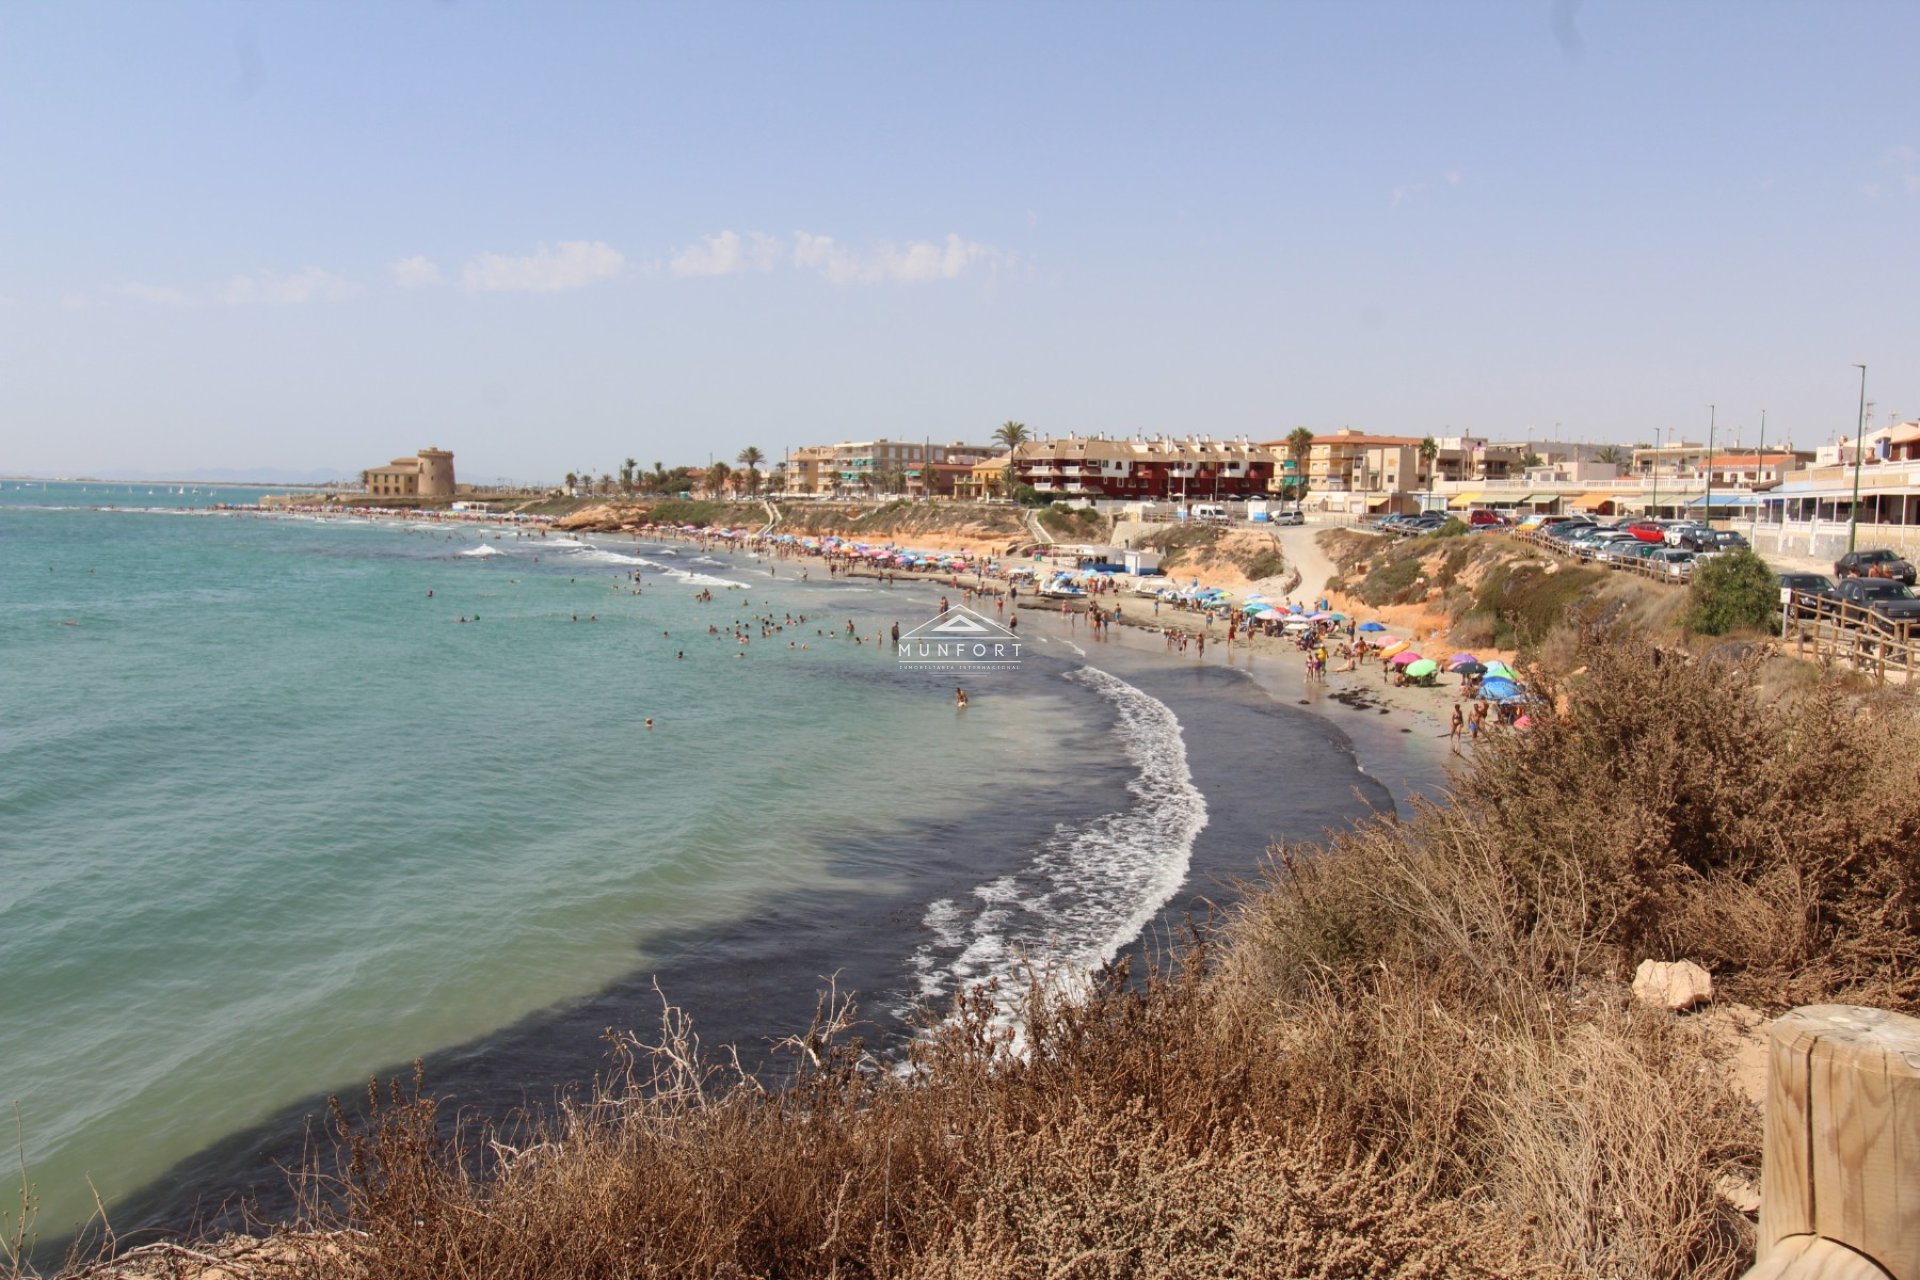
(436, 473)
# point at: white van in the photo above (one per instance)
(1290, 515)
(1209, 511)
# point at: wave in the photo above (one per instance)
(483, 550)
(1091, 887)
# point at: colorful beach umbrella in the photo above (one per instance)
(1471, 669)
(1407, 658)
(1396, 647)
(1459, 658)
(1422, 669)
(1373, 626)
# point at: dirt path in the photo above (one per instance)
(1299, 545)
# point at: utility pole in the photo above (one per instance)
(1759, 474)
(1706, 502)
(1859, 447)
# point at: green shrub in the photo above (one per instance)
(1732, 591)
(1028, 496)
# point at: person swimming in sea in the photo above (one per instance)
(959, 698)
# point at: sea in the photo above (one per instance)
(289, 802)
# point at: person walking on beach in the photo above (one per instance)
(1476, 721)
(1455, 729)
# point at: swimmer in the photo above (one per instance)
(960, 699)
(649, 722)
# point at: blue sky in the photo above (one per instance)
(554, 236)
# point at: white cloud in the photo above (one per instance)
(915, 262)
(415, 272)
(571, 264)
(726, 253)
(159, 294)
(309, 284)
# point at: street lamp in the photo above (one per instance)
(1859, 446)
(1706, 502)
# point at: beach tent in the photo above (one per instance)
(1499, 690)
(1500, 670)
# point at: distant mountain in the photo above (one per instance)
(237, 475)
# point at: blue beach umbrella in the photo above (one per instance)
(1373, 626)
(1499, 689)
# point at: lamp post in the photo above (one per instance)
(1657, 433)
(1759, 477)
(1859, 446)
(1706, 501)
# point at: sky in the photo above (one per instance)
(554, 236)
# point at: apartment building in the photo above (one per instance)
(1161, 469)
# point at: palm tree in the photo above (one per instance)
(626, 475)
(1429, 452)
(752, 458)
(659, 477)
(1012, 434)
(1299, 446)
(1610, 453)
(717, 476)
(573, 481)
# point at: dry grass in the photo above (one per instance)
(1410, 1053)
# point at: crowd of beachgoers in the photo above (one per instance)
(1190, 617)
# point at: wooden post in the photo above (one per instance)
(1840, 1188)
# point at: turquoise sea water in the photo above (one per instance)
(272, 818)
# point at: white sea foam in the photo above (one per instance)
(1090, 888)
(483, 551)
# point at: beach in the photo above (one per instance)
(332, 827)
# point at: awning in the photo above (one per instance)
(1594, 501)
(1544, 497)
(1463, 500)
(1726, 500)
(1381, 501)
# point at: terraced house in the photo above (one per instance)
(1157, 470)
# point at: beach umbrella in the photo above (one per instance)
(1421, 669)
(1469, 668)
(1498, 689)
(1373, 626)
(1407, 658)
(1396, 647)
(1459, 658)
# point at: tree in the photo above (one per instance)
(717, 476)
(1012, 434)
(1731, 590)
(659, 478)
(1299, 447)
(1429, 454)
(1610, 453)
(573, 481)
(751, 458)
(626, 475)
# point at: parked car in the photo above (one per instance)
(1289, 516)
(1806, 588)
(1650, 531)
(1892, 606)
(1679, 529)
(1677, 563)
(1483, 518)
(1712, 541)
(1880, 563)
